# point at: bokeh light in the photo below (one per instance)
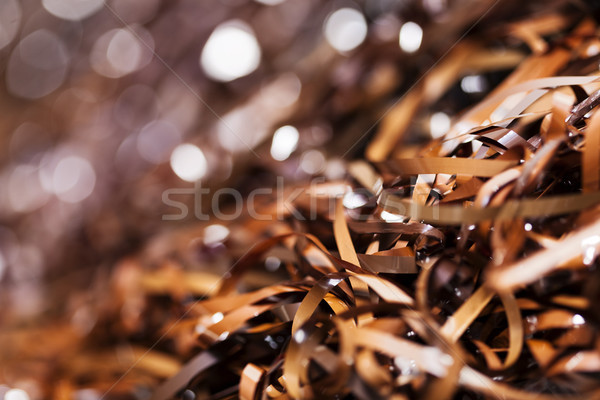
(411, 35)
(285, 141)
(119, 52)
(312, 162)
(214, 234)
(25, 192)
(439, 124)
(473, 84)
(73, 10)
(37, 66)
(345, 29)
(189, 162)
(231, 52)
(73, 179)
(156, 141)
(16, 394)
(270, 2)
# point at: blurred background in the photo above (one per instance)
(107, 104)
